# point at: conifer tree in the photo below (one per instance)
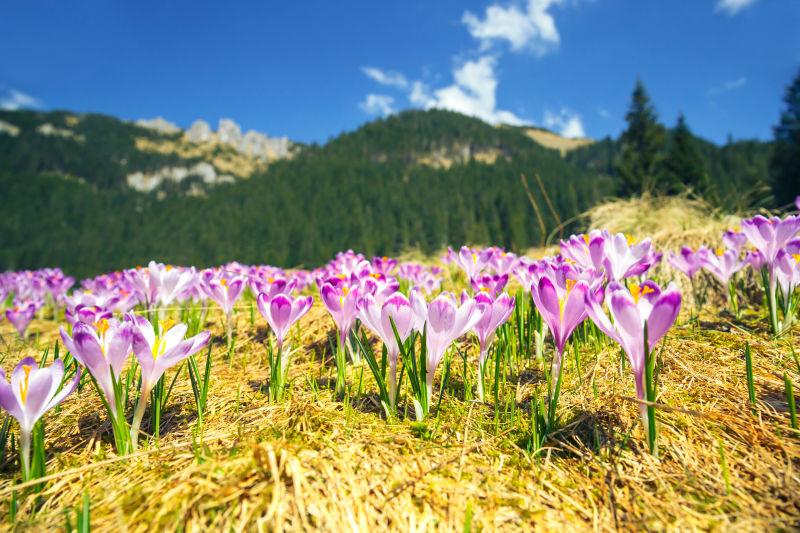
(643, 144)
(684, 167)
(785, 163)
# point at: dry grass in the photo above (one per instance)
(317, 463)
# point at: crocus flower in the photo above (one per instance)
(20, 316)
(490, 284)
(473, 261)
(687, 261)
(87, 314)
(722, 264)
(102, 350)
(623, 257)
(769, 235)
(560, 300)
(160, 283)
(587, 250)
(32, 392)
(156, 354)
(446, 322)
(378, 317)
(630, 310)
(224, 291)
(281, 311)
(342, 303)
(496, 313)
(787, 269)
(734, 239)
(384, 264)
(503, 263)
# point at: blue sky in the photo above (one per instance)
(310, 70)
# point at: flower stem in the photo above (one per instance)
(25, 454)
(138, 414)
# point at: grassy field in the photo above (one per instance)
(315, 462)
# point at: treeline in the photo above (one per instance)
(651, 157)
(364, 190)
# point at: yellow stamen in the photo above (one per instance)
(166, 325)
(271, 280)
(569, 284)
(223, 282)
(586, 239)
(169, 267)
(385, 258)
(101, 326)
(796, 258)
(720, 252)
(485, 289)
(23, 387)
(630, 239)
(375, 275)
(637, 291)
(475, 259)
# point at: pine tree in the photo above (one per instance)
(643, 143)
(684, 167)
(785, 163)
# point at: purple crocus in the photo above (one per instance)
(32, 392)
(492, 284)
(384, 264)
(378, 318)
(496, 313)
(473, 261)
(20, 317)
(341, 301)
(631, 310)
(734, 239)
(624, 257)
(560, 299)
(770, 235)
(225, 292)
(102, 350)
(722, 264)
(156, 354)
(446, 321)
(687, 261)
(281, 311)
(587, 250)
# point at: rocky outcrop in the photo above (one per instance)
(147, 182)
(159, 124)
(253, 144)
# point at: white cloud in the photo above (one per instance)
(567, 123)
(472, 93)
(603, 112)
(11, 99)
(728, 86)
(732, 7)
(377, 104)
(386, 77)
(532, 28)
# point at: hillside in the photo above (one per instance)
(78, 190)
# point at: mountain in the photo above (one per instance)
(739, 170)
(149, 155)
(421, 179)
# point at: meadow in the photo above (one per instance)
(638, 376)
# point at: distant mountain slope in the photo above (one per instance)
(739, 170)
(416, 179)
(148, 156)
